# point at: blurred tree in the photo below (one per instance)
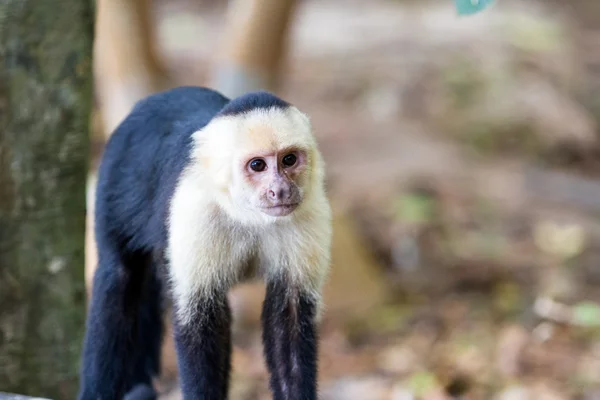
(585, 12)
(254, 46)
(127, 64)
(45, 98)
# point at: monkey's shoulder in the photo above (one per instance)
(146, 154)
(159, 127)
(182, 99)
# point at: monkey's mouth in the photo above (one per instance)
(280, 210)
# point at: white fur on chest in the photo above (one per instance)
(207, 251)
(203, 252)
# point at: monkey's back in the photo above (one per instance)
(142, 162)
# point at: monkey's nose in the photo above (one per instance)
(275, 194)
(278, 194)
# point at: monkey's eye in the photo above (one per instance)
(258, 165)
(289, 160)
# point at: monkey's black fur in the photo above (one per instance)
(290, 342)
(136, 179)
(252, 101)
(204, 350)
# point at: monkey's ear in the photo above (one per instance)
(213, 146)
(216, 167)
(221, 173)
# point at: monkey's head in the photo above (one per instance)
(272, 181)
(264, 163)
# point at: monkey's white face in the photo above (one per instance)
(273, 182)
(261, 162)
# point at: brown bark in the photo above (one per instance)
(45, 97)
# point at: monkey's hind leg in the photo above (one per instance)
(204, 348)
(124, 327)
(290, 341)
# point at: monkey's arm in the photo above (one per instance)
(201, 327)
(204, 349)
(203, 255)
(290, 341)
(291, 310)
(202, 333)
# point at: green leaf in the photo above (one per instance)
(586, 314)
(422, 382)
(414, 208)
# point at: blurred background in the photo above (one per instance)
(463, 164)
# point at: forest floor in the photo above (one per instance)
(462, 157)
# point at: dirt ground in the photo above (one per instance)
(462, 164)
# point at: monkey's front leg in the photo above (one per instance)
(290, 341)
(203, 344)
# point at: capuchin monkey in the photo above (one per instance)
(196, 193)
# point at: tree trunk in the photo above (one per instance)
(254, 46)
(45, 99)
(127, 64)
